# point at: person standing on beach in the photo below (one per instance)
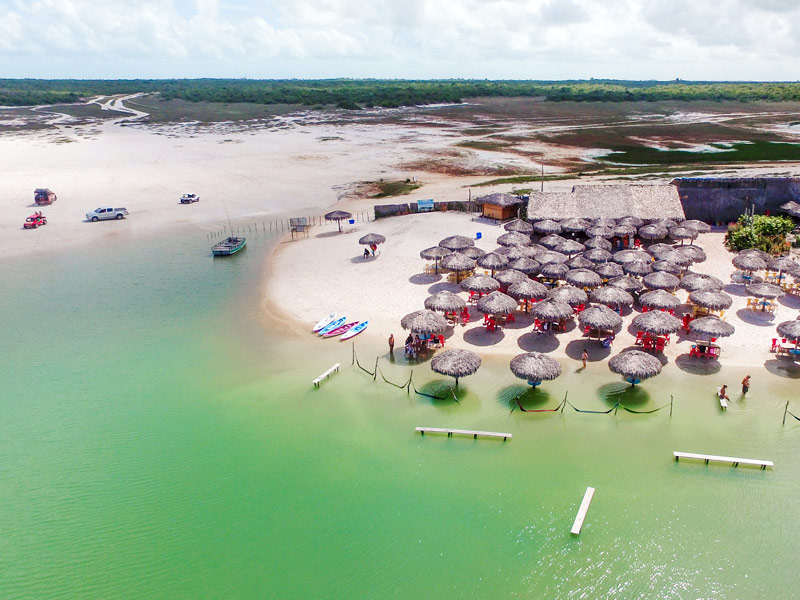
(391, 344)
(745, 385)
(584, 357)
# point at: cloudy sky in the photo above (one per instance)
(496, 39)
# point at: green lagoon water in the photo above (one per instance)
(156, 441)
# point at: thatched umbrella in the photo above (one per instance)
(658, 250)
(626, 256)
(338, 216)
(519, 226)
(598, 242)
(764, 290)
(711, 327)
(546, 227)
(510, 276)
(551, 310)
(456, 362)
(598, 255)
(579, 262)
(749, 262)
(634, 221)
(424, 321)
(554, 270)
(667, 267)
(574, 225)
(456, 242)
(480, 283)
(527, 290)
(458, 263)
(445, 301)
(609, 270)
(660, 280)
(371, 238)
(552, 241)
(784, 264)
(515, 252)
(497, 303)
(756, 252)
(665, 223)
(682, 233)
(525, 265)
(600, 231)
(600, 317)
(698, 226)
(695, 282)
(550, 257)
(659, 299)
(635, 365)
(696, 253)
(604, 222)
(629, 284)
(513, 238)
(790, 207)
(569, 294)
(679, 258)
(535, 367)
(436, 253)
(713, 299)
(472, 252)
(623, 230)
(611, 296)
(652, 232)
(634, 267)
(789, 330)
(569, 247)
(492, 261)
(657, 322)
(583, 278)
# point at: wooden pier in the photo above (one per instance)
(474, 434)
(730, 459)
(334, 368)
(587, 500)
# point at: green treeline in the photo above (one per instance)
(356, 93)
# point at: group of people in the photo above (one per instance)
(416, 346)
(723, 391)
(372, 248)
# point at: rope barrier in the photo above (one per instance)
(595, 412)
(432, 396)
(541, 410)
(405, 386)
(644, 412)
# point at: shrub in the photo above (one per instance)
(760, 231)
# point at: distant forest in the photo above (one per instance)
(390, 93)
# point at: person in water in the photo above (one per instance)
(745, 385)
(723, 393)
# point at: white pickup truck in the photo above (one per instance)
(106, 212)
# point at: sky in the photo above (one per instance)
(404, 39)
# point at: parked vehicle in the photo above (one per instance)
(43, 196)
(34, 221)
(189, 198)
(106, 212)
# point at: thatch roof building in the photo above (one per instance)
(499, 206)
(614, 201)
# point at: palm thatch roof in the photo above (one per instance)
(652, 232)
(713, 299)
(623, 230)
(667, 223)
(525, 265)
(499, 199)
(519, 226)
(513, 238)
(554, 270)
(659, 249)
(629, 220)
(575, 225)
(698, 226)
(693, 282)
(635, 365)
(527, 290)
(510, 277)
(535, 367)
(583, 278)
(609, 270)
(792, 208)
(551, 257)
(456, 242)
(681, 259)
(424, 321)
(600, 317)
(569, 247)
(568, 293)
(789, 329)
(666, 267)
(550, 310)
(338, 216)
(598, 255)
(445, 301)
(480, 283)
(611, 296)
(579, 262)
(659, 280)
(493, 261)
(629, 284)
(657, 322)
(711, 327)
(766, 257)
(682, 233)
(607, 222)
(547, 226)
(611, 201)
(434, 253)
(458, 262)
(598, 242)
(552, 240)
(696, 253)
(456, 362)
(749, 262)
(600, 231)
(634, 267)
(497, 303)
(626, 256)
(764, 290)
(659, 299)
(371, 238)
(784, 264)
(472, 252)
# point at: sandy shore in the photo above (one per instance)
(327, 272)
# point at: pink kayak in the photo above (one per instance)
(340, 330)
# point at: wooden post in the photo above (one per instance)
(785, 410)
(670, 405)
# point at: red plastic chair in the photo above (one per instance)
(465, 315)
(485, 319)
(510, 318)
(693, 351)
(491, 325)
(586, 331)
(774, 345)
(639, 335)
(659, 345)
(637, 243)
(648, 343)
(441, 340)
(645, 309)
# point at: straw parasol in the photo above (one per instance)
(681, 259)
(547, 226)
(574, 225)
(515, 252)
(371, 238)
(661, 280)
(693, 282)
(611, 296)
(519, 226)
(665, 223)
(338, 216)
(630, 220)
(554, 270)
(551, 310)
(756, 252)
(659, 299)
(497, 303)
(424, 321)
(682, 233)
(659, 249)
(569, 294)
(635, 365)
(609, 270)
(784, 264)
(711, 327)
(696, 253)
(652, 232)
(598, 242)
(510, 277)
(623, 230)
(525, 265)
(570, 247)
(604, 222)
(626, 256)
(579, 262)
(656, 322)
(458, 263)
(600, 231)
(456, 362)
(492, 261)
(598, 255)
(698, 226)
(552, 241)
(790, 330)
(749, 262)
(535, 367)
(629, 284)
(601, 318)
(583, 278)
(713, 299)
(551, 257)
(513, 238)
(527, 290)
(435, 253)
(456, 242)
(472, 252)
(666, 266)
(791, 207)
(634, 267)
(445, 301)
(764, 290)
(480, 283)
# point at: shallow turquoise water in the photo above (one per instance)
(157, 441)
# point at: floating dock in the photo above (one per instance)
(587, 500)
(729, 459)
(334, 368)
(474, 434)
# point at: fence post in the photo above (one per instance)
(670, 405)
(785, 410)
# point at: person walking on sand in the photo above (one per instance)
(584, 357)
(391, 344)
(745, 385)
